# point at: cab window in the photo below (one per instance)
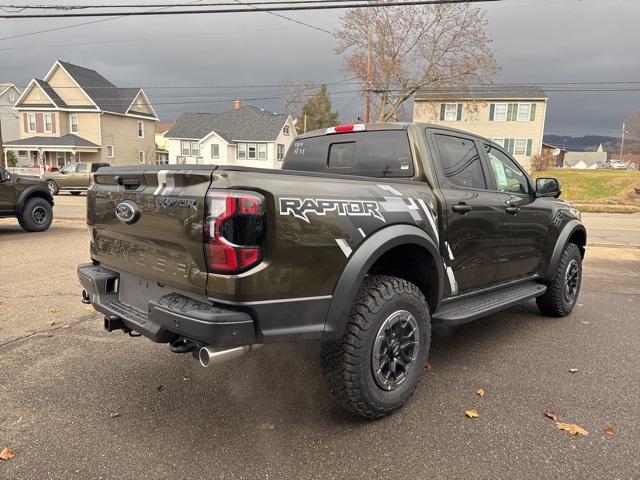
(82, 167)
(508, 176)
(71, 168)
(461, 161)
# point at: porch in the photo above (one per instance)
(51, 152)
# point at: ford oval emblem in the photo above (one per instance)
(127, 212)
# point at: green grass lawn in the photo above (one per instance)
(598, 190)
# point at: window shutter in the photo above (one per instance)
(53, 123)
(510, 143)
(532, 115)
(39, 123)
(492, 112)
(442, 107)
(459, 115)
(529, 144)
(26, 122)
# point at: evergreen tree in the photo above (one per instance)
(318, 111)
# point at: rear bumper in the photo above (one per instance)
(171, 316)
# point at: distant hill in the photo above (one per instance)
(585, 143)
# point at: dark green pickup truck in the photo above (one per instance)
(369, 237)
(26, 198)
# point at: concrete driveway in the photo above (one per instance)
(79, 403)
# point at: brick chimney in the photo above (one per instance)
(236, 104)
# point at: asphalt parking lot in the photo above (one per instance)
(77, 402)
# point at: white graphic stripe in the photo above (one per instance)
(344, 246)
(390, 189)
(449, 250)
(452, 280)
(362, 233)
(431, 220)
(162, 181)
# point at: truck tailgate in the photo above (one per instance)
(148, 221)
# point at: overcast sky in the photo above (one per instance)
(535, 41)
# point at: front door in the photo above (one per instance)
(7, 192)
(523, 225)
(471, 213)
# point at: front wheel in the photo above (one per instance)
(376, 365)
(563, 289)
(36, 215)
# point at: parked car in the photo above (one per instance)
(618, 165)
(367, 237)
(26, 198)
(74, 177)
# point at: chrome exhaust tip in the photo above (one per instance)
(209, 355)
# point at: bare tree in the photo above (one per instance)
(413, 48)
(633, 124)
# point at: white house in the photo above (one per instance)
(245, 136)
(586, 160)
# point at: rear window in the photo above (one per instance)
(379, 154)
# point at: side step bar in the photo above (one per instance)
(464, 310)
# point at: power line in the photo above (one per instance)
(299, 22)
(163, 5)
(249, 10)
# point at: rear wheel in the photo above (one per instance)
(53, 187)
(563, 289)
(36, 215)
(377, 364)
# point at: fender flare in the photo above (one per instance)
(568, 230)
(29, 192)
(361, 261)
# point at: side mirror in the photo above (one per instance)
(548, 187)
(4, 175)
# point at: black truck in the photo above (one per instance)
(368, 238)
(26, 198)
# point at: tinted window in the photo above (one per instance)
(460, 161)
(82, 167)
(69, 168)
(372, 154)
(509, 178)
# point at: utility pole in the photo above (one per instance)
(367, 88)
(624, 127)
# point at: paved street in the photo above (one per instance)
(61, 383)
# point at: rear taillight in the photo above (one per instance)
(234, 230)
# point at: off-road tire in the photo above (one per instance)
(554, 302)
(36, 215)
(347, 363)
(53, 187)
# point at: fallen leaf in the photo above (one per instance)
(6, 454)
(427, 367)
(2, 302)
(89, 308)
(551, 415)
(472, 413)
(51, 323)
(573, 370)
(160, 388)
(480, 392)
(114, 415)
(586, 323)
(609, 431)
(65, 326)
(267, 426)
(572, 428)
(54, 310)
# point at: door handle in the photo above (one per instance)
(512, 210)
(461, 208)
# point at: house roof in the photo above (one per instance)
(162, 127)
(245, 123)
(103, 93)
(488, 92)
(548, 145)
(69, 140)
(589, 159)
(4, 86)
(48, 89)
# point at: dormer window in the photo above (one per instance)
(12, 97)
(286, 130)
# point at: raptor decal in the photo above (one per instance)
(302, 207)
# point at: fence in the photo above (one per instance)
(34, 171)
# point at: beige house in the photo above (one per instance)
(75, 114)
(512, 117)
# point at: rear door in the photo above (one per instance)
(81, 177)
(524, 223)
(7, 193)
(148, 221)
(471, 210)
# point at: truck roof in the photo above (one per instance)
(379, 126)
